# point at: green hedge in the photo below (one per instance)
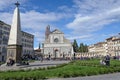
(72, 69)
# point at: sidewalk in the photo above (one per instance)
(113, 76)
(33, 65)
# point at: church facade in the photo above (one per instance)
(56, 45)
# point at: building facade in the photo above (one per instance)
(113, 44)
(117, 47)
(4, 36)
(98, 49)
(111, 47)
(27, 41)
(56, 45)
(38, 53)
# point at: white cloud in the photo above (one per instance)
(94, 15)
(79, 37)
(38, 21)
(33, 19)
(34, 22)
(89, 16)
(42, 17)
(95, 6)
(6, 17)
(66, 9)
(39, 36)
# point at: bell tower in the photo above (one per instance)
(47, 32)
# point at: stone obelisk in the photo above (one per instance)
(14, 48)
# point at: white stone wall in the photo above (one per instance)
(67, 51)
(57, 45)
(62, 47)
(53, 36)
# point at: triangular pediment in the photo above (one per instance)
(56, 31)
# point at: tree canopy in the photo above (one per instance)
(75, 46)
(81, 48)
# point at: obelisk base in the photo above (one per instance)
(14, 53)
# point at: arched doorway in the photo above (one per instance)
(55, 53)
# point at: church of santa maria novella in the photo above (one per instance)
(56, 45)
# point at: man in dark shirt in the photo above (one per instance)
(107, 60)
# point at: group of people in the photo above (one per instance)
(10, 62)
(105, 61)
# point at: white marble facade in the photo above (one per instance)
(57, 46)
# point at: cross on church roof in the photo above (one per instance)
(17, 3)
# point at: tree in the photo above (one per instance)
(75, 46)
(86, 48)
(83, 48)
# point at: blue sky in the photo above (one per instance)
(87, 21)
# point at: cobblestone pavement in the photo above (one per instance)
(33, 65)
(113, 76)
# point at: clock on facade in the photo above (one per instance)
(56, 40)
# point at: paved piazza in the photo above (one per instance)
(114, 76)
(33, 65)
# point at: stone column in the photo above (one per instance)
(14, 49)
(14, 52)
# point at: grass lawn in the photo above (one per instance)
(72, 69)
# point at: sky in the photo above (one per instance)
(87, 21)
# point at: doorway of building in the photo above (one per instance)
(56, 53)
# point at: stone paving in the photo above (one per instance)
(113, 76)
(33, 65)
